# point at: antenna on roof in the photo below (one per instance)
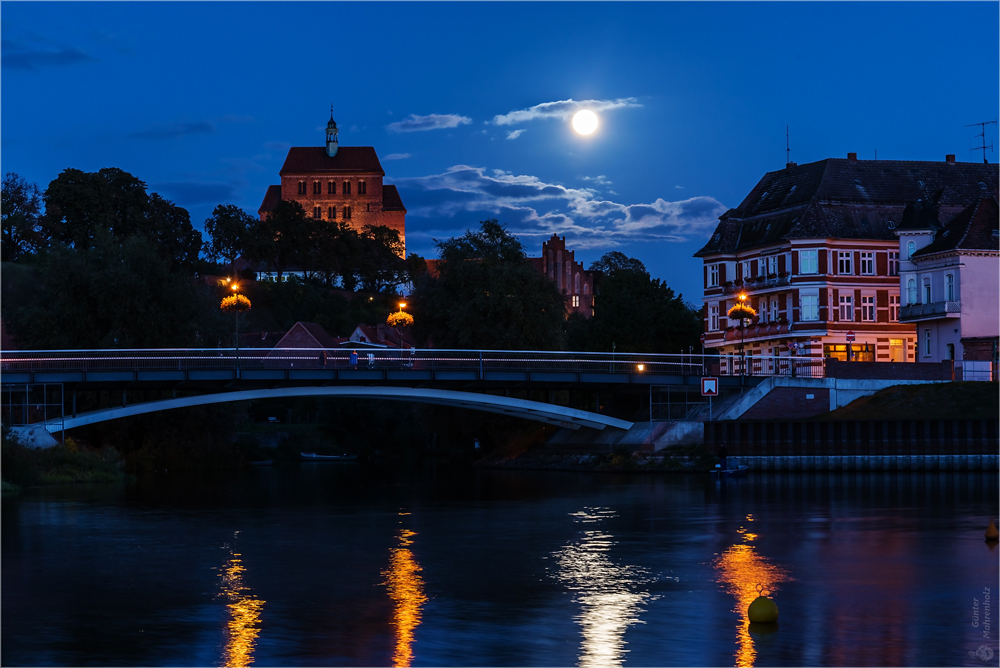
(788, 151)
(983, 135)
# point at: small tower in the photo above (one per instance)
(331, 135)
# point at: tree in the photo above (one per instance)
(228, 230)
(20, 208)
(634, 312)
(281, 240)
(380, 264)
(487, 295)
(82, 209)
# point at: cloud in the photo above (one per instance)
(187, 193)
(397, 156)
(454, 200)
(600, 179)
(19, 57)
(562, 109)
(430, 122)
(515, 134)
(173, 130)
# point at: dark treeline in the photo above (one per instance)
(97, 261)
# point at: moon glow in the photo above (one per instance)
(585, 121)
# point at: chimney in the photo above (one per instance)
(853, 157)
(950, 158)
(789, 165)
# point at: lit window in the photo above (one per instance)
(713, 275)
(868, 264)
(362, 188)
(713, 318)
(809, 307)
(868, 309)
(576, 300)
(846, 308)
(949, 287)
(844, 259)
(893, 308)
(894, 263)
(808, 263)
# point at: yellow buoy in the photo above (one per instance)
(762, 609)
(991, 532)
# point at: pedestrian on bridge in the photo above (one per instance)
(354, 359)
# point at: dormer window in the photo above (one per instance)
(982, 185)
(857, 183)
(763, 196)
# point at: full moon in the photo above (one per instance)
(585, 121)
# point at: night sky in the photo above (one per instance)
(468, 105)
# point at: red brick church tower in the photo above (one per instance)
(338, 183)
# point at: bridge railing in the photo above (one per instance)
(482, 361)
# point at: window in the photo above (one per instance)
(317, 188)
(911, 247)
(317, 212)
(347, 213)
(844, 262)
(897, 350)
(331, 187)
(713, 275)
(837, 351)
(762, 267)
(746, 270)
(331, 213)
(362, 188)
(868, 309)
(576, 284)
(713, 318)
(809, 307)
(893, 308)
(894, 263)
(911, 291)
(774, 310)
(347, 187)
(576, 300)
(949, 287)
(772, 264)
(846, 308)
(868, 264)
(808, 263)
(762, 313)
(927, 343)
(927, 289)
(302, 187)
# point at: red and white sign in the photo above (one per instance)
(709, 387)
(850, 336)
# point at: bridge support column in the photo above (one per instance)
(74, 403)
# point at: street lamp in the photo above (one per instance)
(236, 303)
(743, 312)
(400, 319)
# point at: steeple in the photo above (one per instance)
(331, 135)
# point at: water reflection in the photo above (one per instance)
(741, 568)
(406, 589)
(606, 591)
(244, 613)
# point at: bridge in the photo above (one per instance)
(465, 378)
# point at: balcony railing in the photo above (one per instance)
(913, 312)
(759, 283)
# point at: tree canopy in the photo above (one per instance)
(228, 228)
(485, 294)
(20, 211)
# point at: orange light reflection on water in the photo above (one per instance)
(741, 569)
(244, 615)
(406, 589)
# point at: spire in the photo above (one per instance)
(331, 135)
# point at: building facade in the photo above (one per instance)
(950, 280)
(338, 184)
(560, 266)
(813, 249)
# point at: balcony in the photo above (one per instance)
(932, 311)
(761, 283)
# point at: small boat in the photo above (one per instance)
(722, 473)
(313, 457)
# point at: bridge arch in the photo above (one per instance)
(532, 410)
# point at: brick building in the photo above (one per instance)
(338, 183)
(814, 249)
(560, 266)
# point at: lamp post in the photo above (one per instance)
(236, 303)
(400, 319)
(743, 312)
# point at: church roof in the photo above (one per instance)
(271, 199)
(845, 198)
(391, 201)
(972, 229)
(348, 160)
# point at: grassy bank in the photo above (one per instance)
(24, 466)
(935, 401)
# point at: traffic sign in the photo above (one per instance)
(850, 336)
(709, 386)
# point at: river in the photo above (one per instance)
(340, 564)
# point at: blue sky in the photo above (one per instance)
(202, 100)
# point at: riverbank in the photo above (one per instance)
(678, 459)
(68, 462)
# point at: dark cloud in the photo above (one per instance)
(18, 57)
(174, 130)
(187, 193)
(430, 122)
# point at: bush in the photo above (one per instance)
(69, 462)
